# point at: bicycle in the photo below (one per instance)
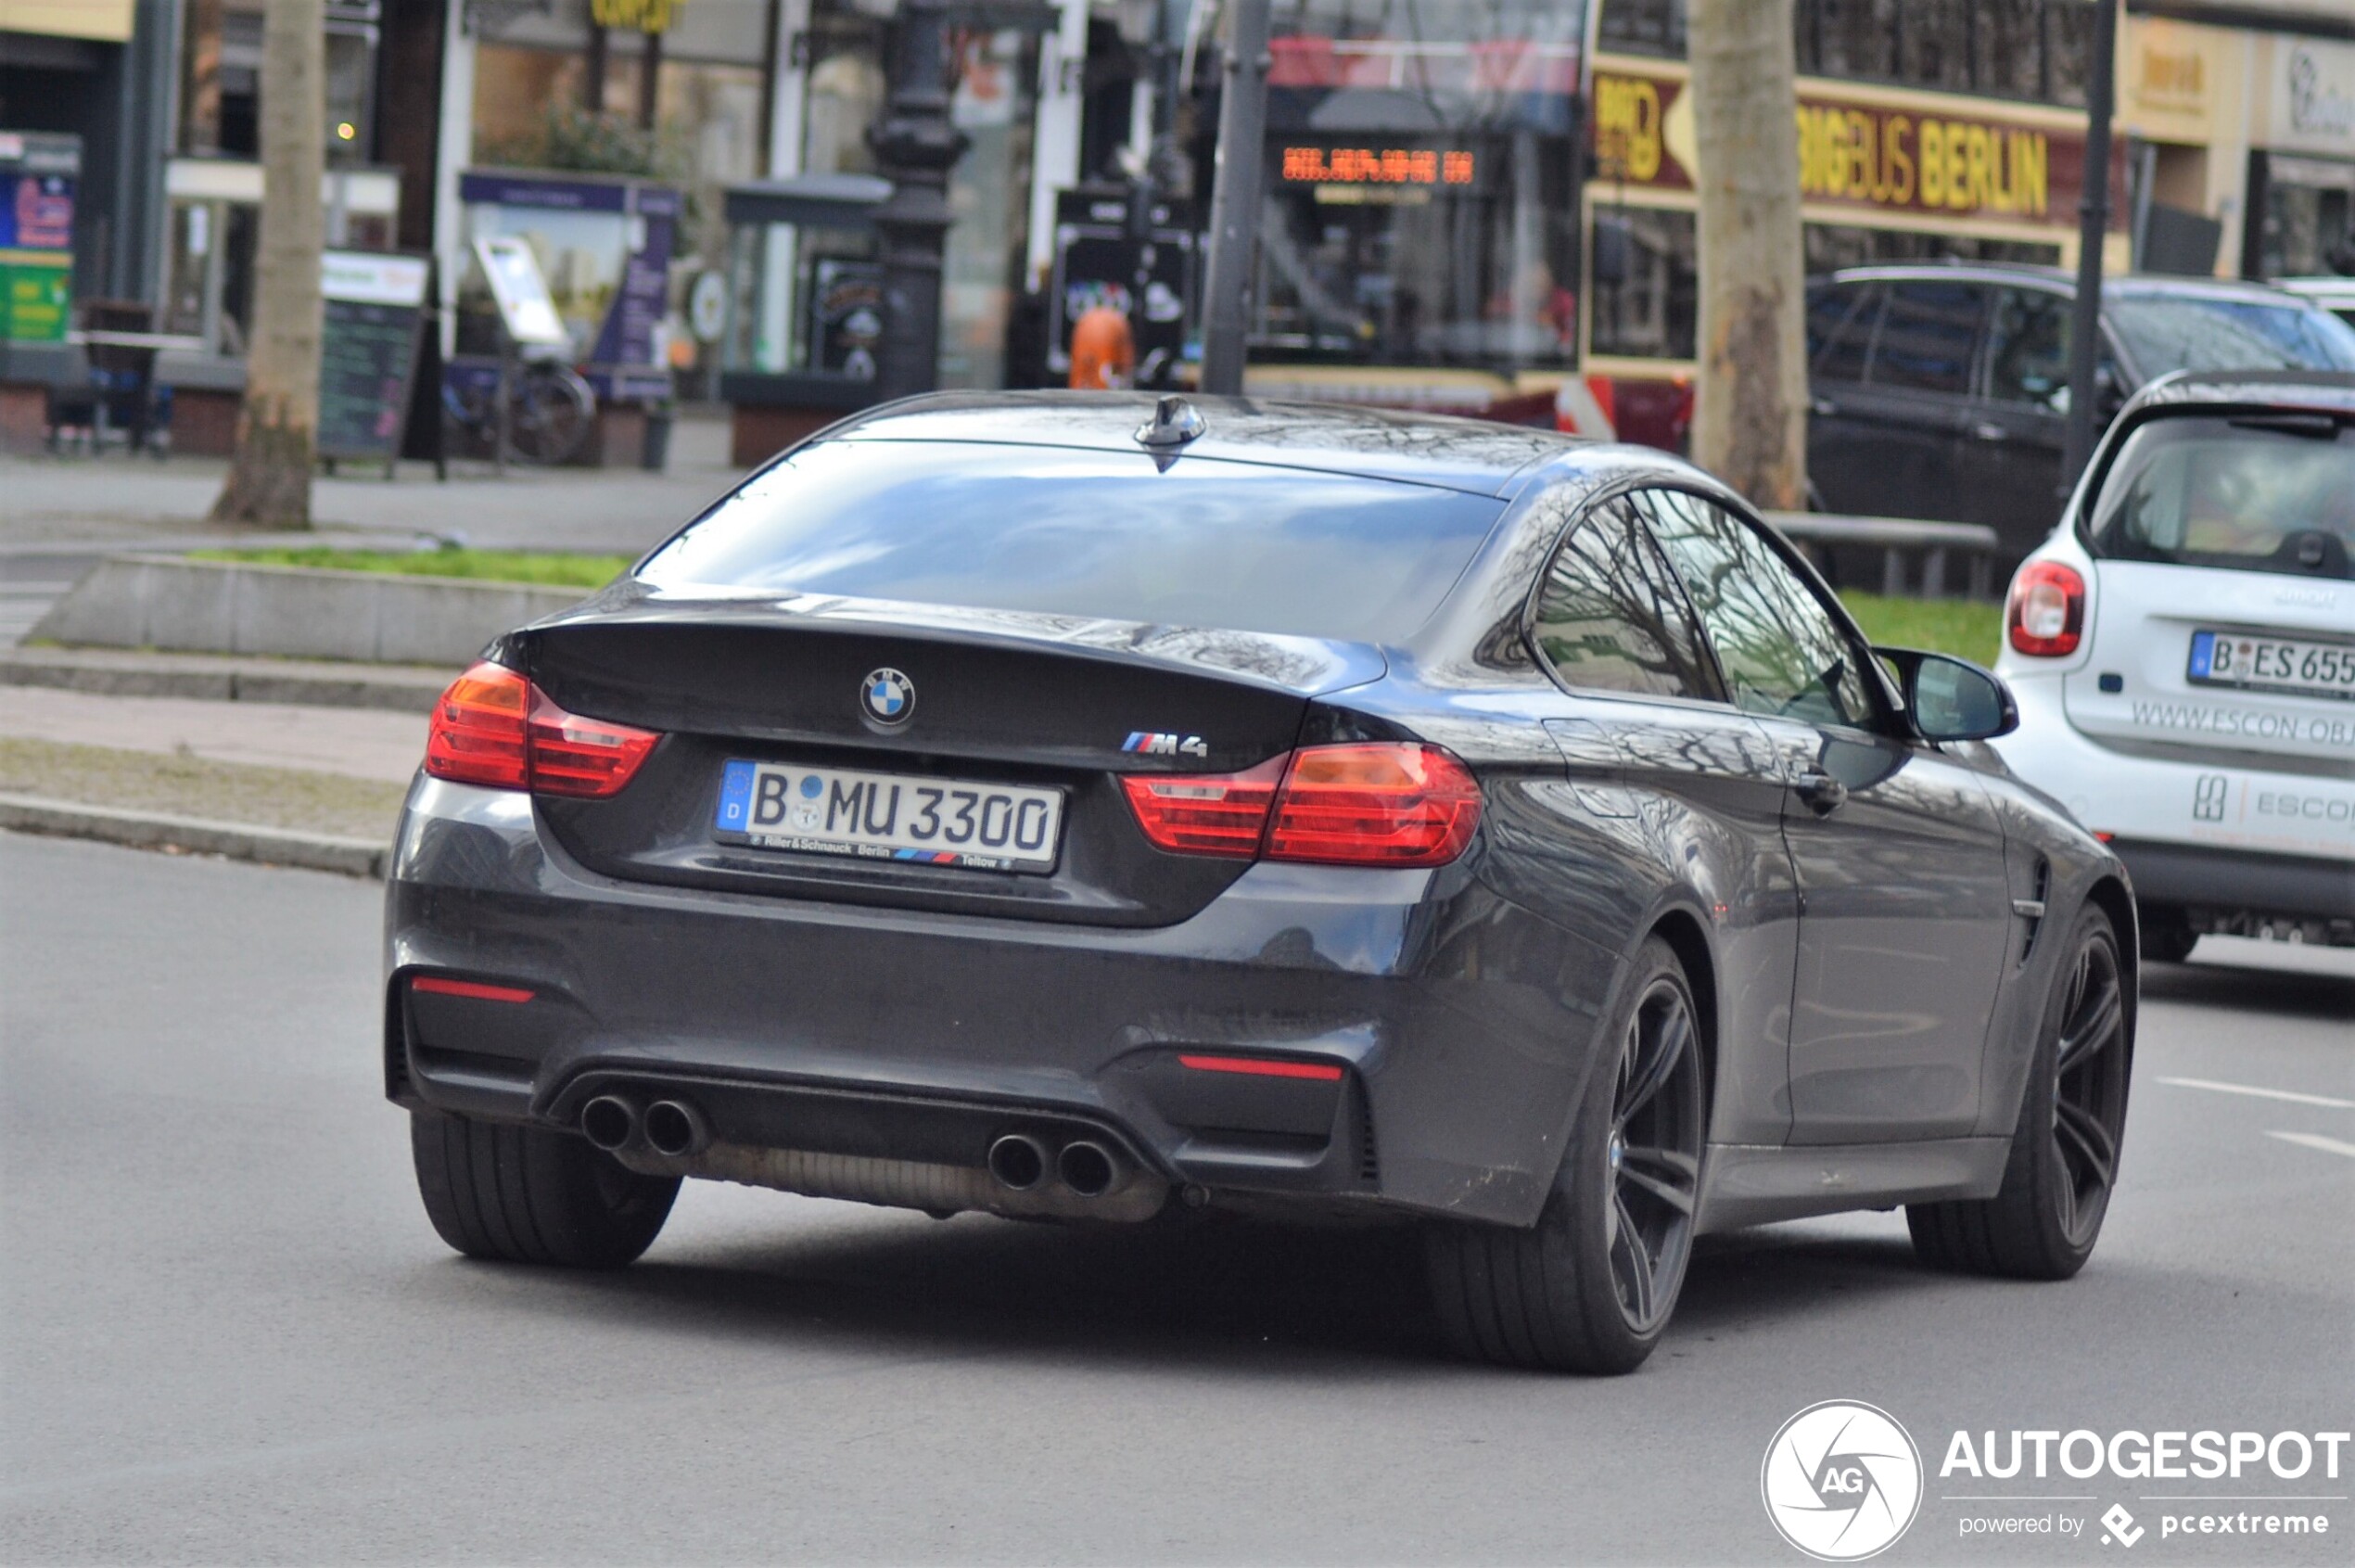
(549, 410)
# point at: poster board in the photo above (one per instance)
(40, 173)
(372, 309)
(525, 308)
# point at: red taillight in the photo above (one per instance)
(1382, 805)
(1387, 804)
(477, 734)
(474, 990)
(2045, 617)
(1204, 813)
(582, 756)
(1263, 1068)
(493, 727)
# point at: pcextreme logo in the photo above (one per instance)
(1842, 1481)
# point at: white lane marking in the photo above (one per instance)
(2316, 1141)
(2293, 1096)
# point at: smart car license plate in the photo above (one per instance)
(2273, 664)
(889, 816)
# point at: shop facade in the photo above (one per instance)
(85, 86)
(2301, 172)
(1924, 130)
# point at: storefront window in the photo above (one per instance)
(2308, 217)
(1420, 159)
(1647, 284)
(2032, 49)
(990, 193)
(1642, 27)
(847, 43)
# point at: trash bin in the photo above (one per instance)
(656, 450)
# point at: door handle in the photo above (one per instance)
(1823, 793)
(1822, 408)
(1985, 431)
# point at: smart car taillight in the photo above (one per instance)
(2046, 615)
(1204, 813)
(1388, 804)
(493, 727)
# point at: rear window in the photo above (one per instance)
(2272, 493)
(1209, 544)
(2165, 335)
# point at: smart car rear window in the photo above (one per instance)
(1244, 547)
(2255, 493)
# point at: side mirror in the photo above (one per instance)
(2109, 396)
(1951, 699)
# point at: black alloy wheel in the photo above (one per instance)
(1591, 1286)
(2063, 1166)
(1655, 1155)
(2089, 1092)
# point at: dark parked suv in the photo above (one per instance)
(1942, 390)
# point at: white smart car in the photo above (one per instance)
(2183, 650)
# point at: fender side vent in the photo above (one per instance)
(1368, 1162)
(2033, 923)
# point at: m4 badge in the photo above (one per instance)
(1153, 743)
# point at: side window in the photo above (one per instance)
(2027, 357)
(1782, 652)
(1611, 619)
(1928, 335)
(1844, 316)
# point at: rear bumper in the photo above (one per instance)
(2221, 831)
(1448, 1029)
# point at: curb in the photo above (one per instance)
(128, 675)
(238, 841)
(172, 605)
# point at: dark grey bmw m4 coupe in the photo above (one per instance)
(1092, 807)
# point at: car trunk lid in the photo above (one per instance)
(1015, 699)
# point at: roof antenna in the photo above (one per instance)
(1175, 422)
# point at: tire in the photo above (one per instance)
(1590, 1288)
(2167, 934)
(553, 409)
(525, 1194)
(2042, 1223)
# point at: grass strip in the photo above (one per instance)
(1966, 627)
(544, 567)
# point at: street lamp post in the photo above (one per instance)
(1234, 199)
(918, 145)
(2085, 323)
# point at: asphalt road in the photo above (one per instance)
(227, 1333)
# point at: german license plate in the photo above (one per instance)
(2273, 664)
(889, 816)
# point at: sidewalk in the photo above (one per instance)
(293, 785)
(119, 502)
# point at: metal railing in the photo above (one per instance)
(1899, 539)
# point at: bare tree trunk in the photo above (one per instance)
(1750, 425)
(277, 429)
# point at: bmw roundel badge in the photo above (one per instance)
(888, 696)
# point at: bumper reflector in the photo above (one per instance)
(1262, 1067)
(472, 989)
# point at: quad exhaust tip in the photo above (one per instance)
(676, 1129)
(610, 1122)
(1087, 1169)
(1018, 1162)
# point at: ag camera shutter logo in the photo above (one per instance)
(1842, 1481)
